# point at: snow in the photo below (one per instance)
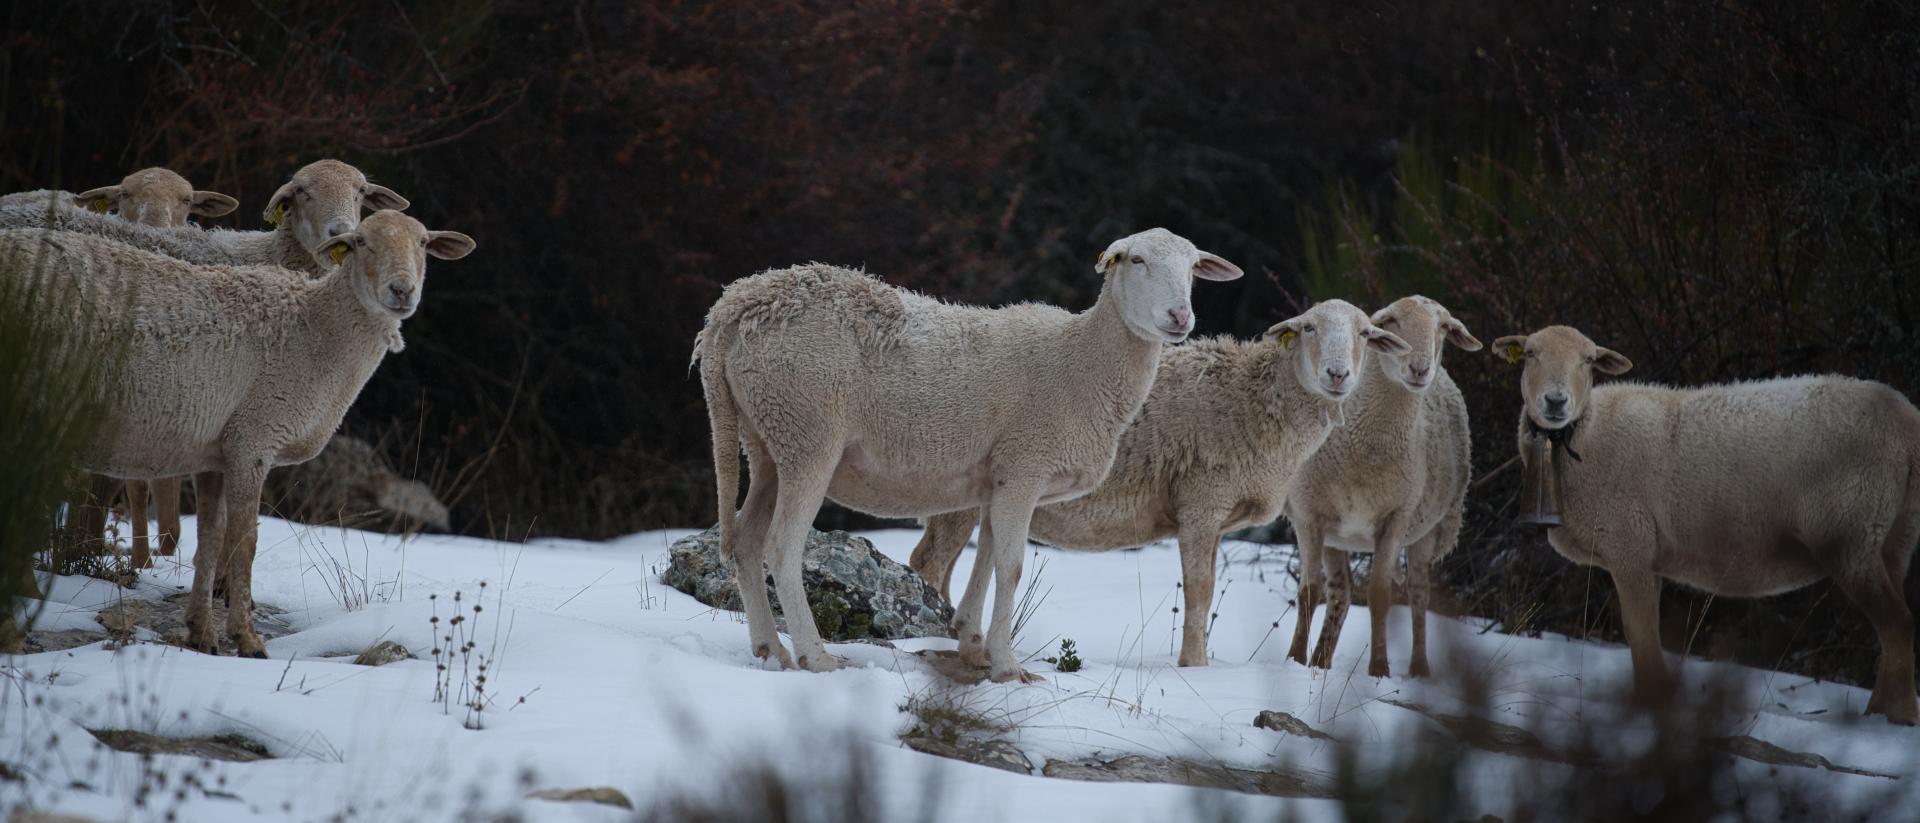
(633, 685)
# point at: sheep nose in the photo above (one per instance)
(1420, 372)
(1179, 319)
(401, 294)
(1556, 401)
(1338, 377)
(337, 228)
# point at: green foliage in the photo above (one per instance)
(1069, 659)
(52, 401)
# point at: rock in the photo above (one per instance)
(1134, 768)
(229, 747)
(599, 794)
(1755, 749)
(60, 640)
(855, 591)
(994, 754)
(351, 484)
(1288, 724)
(382, 653)
(167, 617)
(1492, 736)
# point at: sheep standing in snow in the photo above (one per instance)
(1395, 475)
(896, 404)
(1214, 449)
(1744, 490)
(234, 370)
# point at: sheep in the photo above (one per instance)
(1742, 489)
(351, 484)
(1214, 449)
(233, 370)
(1395, 475)
(321, 200)
(896, 404)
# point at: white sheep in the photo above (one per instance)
(321, 200)
(896, 404)
(1214, 449)
(1395, 475)
(1744, 490)
(233, 370)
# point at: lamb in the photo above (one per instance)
(323, 199)
(896, 404)
(234, 370)
(351, 484)
(1395, 475)
(1743, 489)
(1224, 429)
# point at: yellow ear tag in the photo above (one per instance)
(1287, 337)
(278, 214)
(337, 252)
(1512, 352)
(101, 204)
(1106, 259)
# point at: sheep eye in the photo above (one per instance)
(1137, 261)
(1308, 328)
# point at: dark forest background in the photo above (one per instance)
(1720, 190)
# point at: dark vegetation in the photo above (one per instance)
(1721, 191)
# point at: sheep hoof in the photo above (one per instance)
(1378, 668)
(202, 641)
(1418, 669)
(249, 645)
(1192, 662)
(822, 662)
(1021, 675)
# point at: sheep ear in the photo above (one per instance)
(212, 204)
(1383, 341)
(276, 212)
(1612, 362)
(1110, 256)
(336, 248)
(449, 245)
(1285, 331)
(102, 199)
(380, 197)
(1511, 348)
(1458, 335)
(1380, 316)
(1214, 267)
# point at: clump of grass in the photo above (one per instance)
(1069, 659)
(456, 646)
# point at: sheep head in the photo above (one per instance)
(1424, 324)
(385, 260)
(1558, 376)
(155, 197)
(1151, 277)
(1327, 346)
(323, 200)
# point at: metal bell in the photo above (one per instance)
(1539, 484)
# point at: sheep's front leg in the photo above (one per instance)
(1012, 513)
(1640, 613)
(166, 502)
(208, 557)
(1379, 606)
(1199, 551)
(1338, 567)
(1419, 581)
(137, 510)
(242, 505)
(1312, 548)
(967, 622)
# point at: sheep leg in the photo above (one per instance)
(1312, 548)
(1880, 597)
(802, 489)
(207, 559)
(749, 553)
(940, 546)
(1012, 512)
(967, 619)
(242, 505)
(1640, 614)
(1379, 607)
(137, 511)
(1339, 597)
(166, 501)
(1419, 578)
(1199, 550)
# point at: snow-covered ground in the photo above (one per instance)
(632, 685)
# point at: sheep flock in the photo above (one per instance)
(1096, 430)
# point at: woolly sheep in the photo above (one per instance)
(1214, 449)
(896, 404)
(1395, 475)
(323, 199)
(1743, 490)
(234, 370)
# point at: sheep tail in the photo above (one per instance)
(724, 418)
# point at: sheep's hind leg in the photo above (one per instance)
(967, 619)
(1312, 548)
(1880, 598)
(1339, 597)
(748, 555)
(137, 511)
(166, 502)
(801, 491)
(208, 557)
(1199, 551)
